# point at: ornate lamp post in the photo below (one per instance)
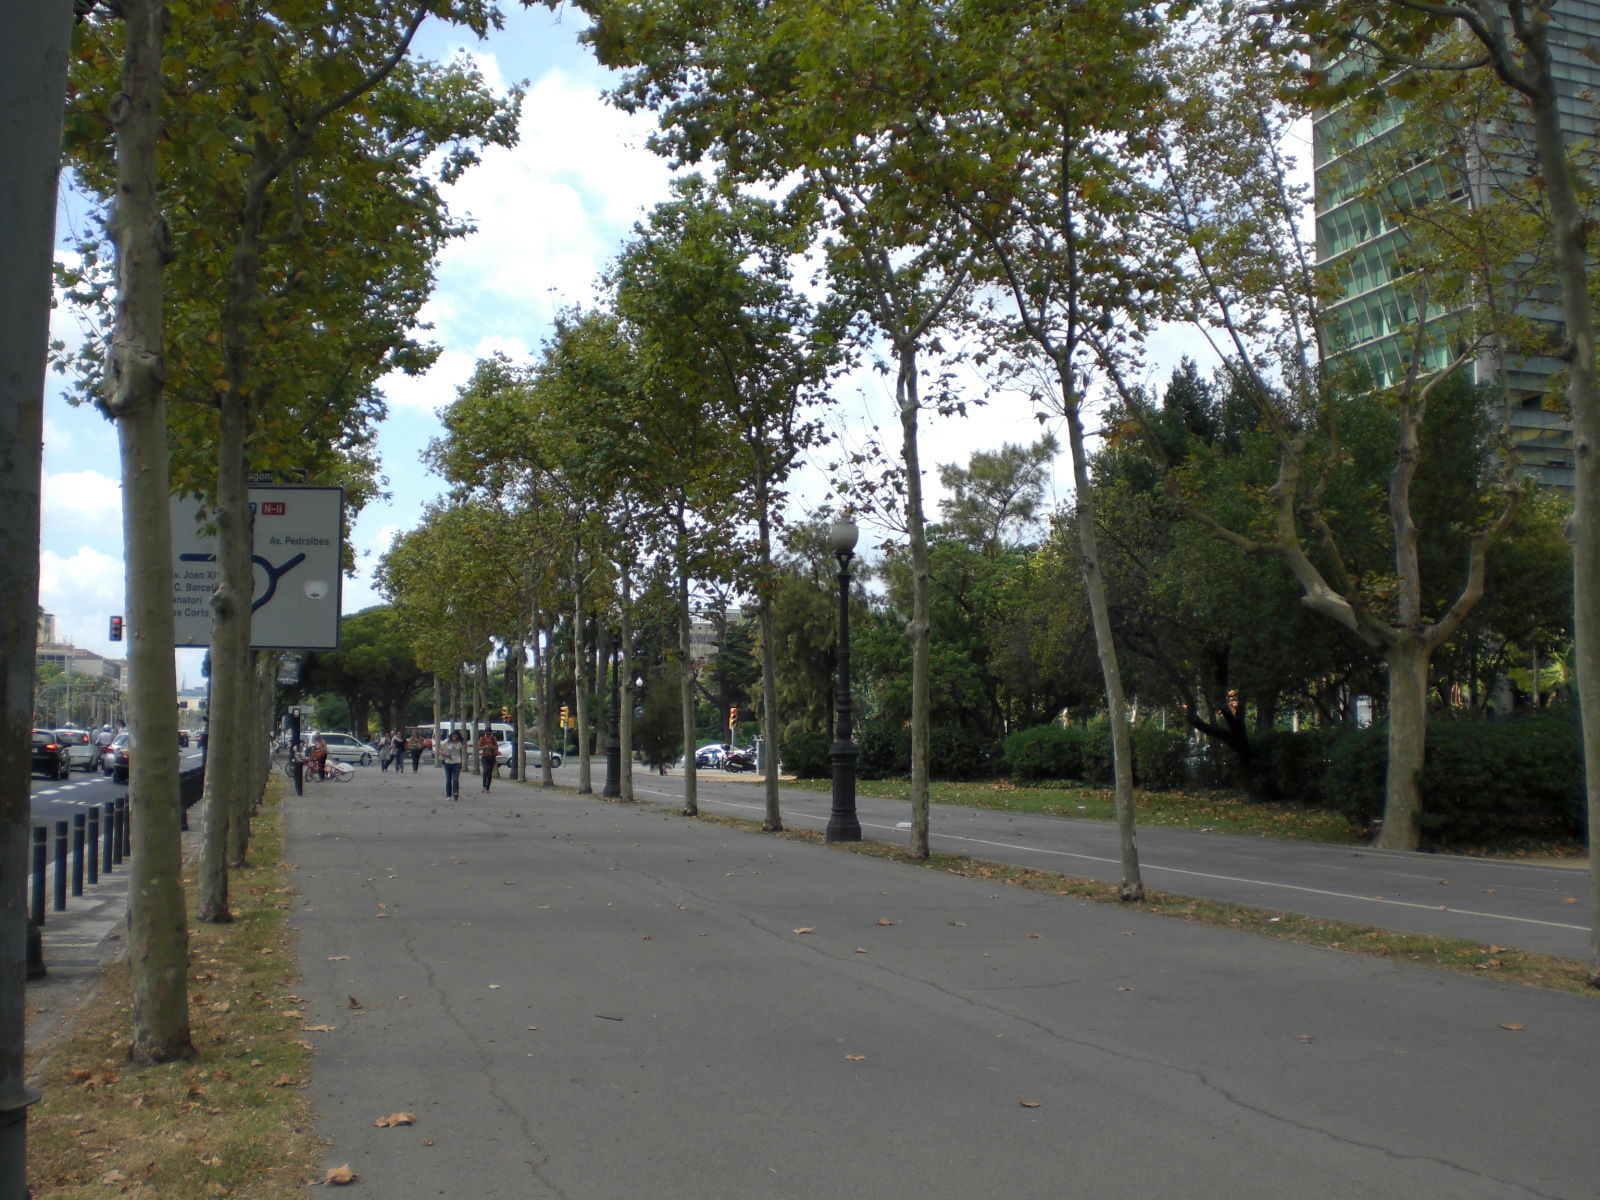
(613, 784)
(843, 825)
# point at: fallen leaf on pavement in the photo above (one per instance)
(855, 1058)
(1028, 1103)
(394, 1119)
(316, 1028)
(339, 958)
(885, 921)
(806, 929)
(340, 1175)
(1512, 1025)
(861, 949)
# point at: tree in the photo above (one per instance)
(1517, 43)
(996, 489)
(157, 929)
(32, 86)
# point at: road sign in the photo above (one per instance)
(299, 534)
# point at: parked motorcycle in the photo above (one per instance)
(738, 760)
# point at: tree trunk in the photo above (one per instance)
(33, 72)
(1132, 885)
(773, 820)
(691, 805)
(580, 680)
(158, 939)
(921, 601)
(1407, 662)
(625, 713)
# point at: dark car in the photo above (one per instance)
(115, 760)
(51, 758)
(183, 737)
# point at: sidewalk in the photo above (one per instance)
(581, 999)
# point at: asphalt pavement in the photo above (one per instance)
(576, 998)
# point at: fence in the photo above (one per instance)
(92, 843)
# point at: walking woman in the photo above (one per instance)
(451, 754)
(488, 753)
(414, 748)
(397, 744)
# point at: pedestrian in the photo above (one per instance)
(319, 757)
(385, 751)
(488, 755)
(414, 748)
(451, 754)
(397, 748)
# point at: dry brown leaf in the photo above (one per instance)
(340, 1175)
(1303, 1037)
(861, 949)
(806, 929)
(394, 1119)
(1512, 1025)
(855, 1058)
(885, 921)
(112, 1176)
(961, 924)
(427, 1141)
(316, 1029)
(1570, 900)
(354, 1003)
(1028, 1103)
(285, 1081)
(339, 958)
(1034, 935)
(293, 1015)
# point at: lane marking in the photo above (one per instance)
(1263, 883)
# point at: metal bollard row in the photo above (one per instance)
(95, 844)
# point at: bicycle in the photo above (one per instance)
(338, 772)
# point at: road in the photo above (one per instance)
(1541, 906)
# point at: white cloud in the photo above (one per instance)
(85, 505)
(84, 590)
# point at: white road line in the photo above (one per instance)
(1263, 883)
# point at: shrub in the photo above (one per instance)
(1496, 781)
(807, 754)
(1045, 752)
(1290, 766)
(1482, 782)
(957, 753)
(1159, 757)
(885, 750)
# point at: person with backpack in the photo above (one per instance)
(488, 755)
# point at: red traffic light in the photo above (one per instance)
(116, 629)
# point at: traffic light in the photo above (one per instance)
(505, 713)
(116, 629)
(563, 716)
(733, 717)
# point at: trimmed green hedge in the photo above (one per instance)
(807, 755)
(1051, 752)
(1483, 782)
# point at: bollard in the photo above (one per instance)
(106, 828)
(94, 844)
(61, 867)
(119, 837)
(125, 826)
(78, 820)
(37, 915)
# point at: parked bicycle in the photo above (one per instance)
(339, 772)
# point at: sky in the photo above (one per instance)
(550, 214)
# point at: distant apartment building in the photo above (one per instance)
(1361, 246)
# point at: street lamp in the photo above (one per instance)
(613, 785)
(843, 825)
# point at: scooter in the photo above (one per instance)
(738, 760)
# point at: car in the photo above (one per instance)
(51, 758)
(183, 737)
(114, 762)
(533, 756)
(81, 748)
(347, 747)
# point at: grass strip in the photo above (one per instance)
(1415, 949)
(231, 1121)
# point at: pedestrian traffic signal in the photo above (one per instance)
(733, 717)
(116, 629)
